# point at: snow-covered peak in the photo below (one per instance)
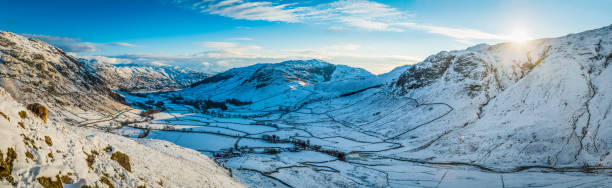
(310, 62)
(285, 81)
(127, 76)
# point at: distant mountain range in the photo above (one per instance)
(139, 77)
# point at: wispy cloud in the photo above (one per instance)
(342, 47)
(458, 33)
(229, 50)
(355, 13)
(238, 9)
(66, 43)
(363, 14)
(124, 44)
(359, 13)
(75, 44)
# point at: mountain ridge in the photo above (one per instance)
(143, 77)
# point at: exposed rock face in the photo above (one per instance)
(34, 71)
(40, 111)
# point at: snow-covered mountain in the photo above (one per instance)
(541, 103)
(140, 77)
(35, 72)
(285, 83)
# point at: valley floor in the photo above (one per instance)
(307, 147)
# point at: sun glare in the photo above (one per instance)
(518, 35)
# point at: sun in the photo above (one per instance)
(518, 35)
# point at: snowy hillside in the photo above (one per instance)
(542, 103)
(289, 82)
(136, 77)
(34, 71)
(38, 154)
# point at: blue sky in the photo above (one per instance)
(214, 35)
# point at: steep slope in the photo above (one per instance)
(34, 71)
(136, 77)
(290, 82)
(541, 103)
(39, 154)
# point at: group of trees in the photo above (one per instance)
(269, 124)
(216, 113)
(150, 105)
(237, 102)
(300, 145)
(272, 151)
(305, 145)
(158, 104)
(202, 105)
(273, 138)
(226, 154)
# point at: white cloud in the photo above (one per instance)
(229, 50)
(339, 14)
(342, 47)
(159, 63)
(238, 9)
(230, 46)
(205, 61)
(75, 44)
(356, 13)
(361, 14)
(105, 60)
(124, 44)
(458, 33)
(66, 43)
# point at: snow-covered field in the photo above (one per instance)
(534, 114)
(35, 153)
(370, 159)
